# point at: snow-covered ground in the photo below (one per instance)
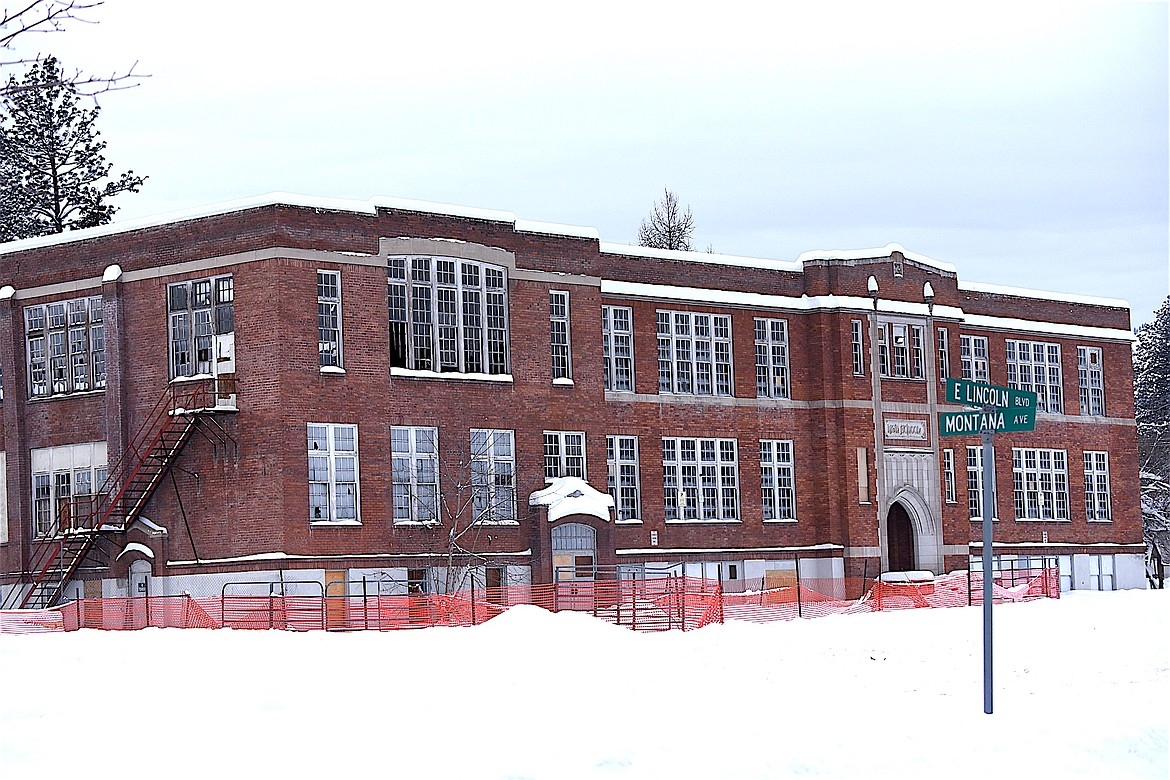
(1081, 691)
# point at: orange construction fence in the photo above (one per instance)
(650, 604)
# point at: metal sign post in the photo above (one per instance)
(996, 409)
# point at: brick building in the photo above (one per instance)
(518, 401)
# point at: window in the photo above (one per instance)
(778, 478)
(944, 356)
(949, 476)
(447, 315)
(862, 475)
(1035, 366)
(558, 315)
(414, 466)
(621, 464)
(199, 312)
(66, 347)
(333, 473)
(64, 482)
(329, 318)
(493, 475)
(700, 479)
(973, 355)
(1040, 479)
(1091, 381)
(617, 342)
(900, 351)
(975, 485)
(771, 358)
(621, 455)
(1097, 486)
(564, 454)
(858, 352)
(694, 353)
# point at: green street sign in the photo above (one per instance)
(979, 394)
(998, 421)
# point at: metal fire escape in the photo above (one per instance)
(183, 408)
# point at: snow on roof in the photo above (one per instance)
(872, 254)
(999, 289)
(572, 496)
(608, 248)
(370, 206)
(135, 547)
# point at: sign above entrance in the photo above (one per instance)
(905, 429)
(979, 395)
(997, 421)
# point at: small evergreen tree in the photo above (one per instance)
(1151, 387)
(668, 226)
(51, 159)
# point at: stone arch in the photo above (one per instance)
(926, 531)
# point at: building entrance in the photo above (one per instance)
(900, 535)
(574, 549)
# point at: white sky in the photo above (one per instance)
(1026, 143)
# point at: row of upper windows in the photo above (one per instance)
(451, 315)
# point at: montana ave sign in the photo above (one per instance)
(978, 394)
(997, 421)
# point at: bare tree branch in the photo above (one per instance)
(51, 16)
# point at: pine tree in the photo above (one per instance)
(1152, 408)
(51, 159)
(668, 227)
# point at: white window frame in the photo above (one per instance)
(448, 315)
(901, 351)
(949, 491)
(772, 375)
(621, 456)
(65, 347)
(944, 355)
(973, 357)
(684, 339)
(560, 455)
(1035, 366)
(560, 338)
(1097, 499)
(975, 486)
(1091, 380)
(702, 477)
(414, 474)
(617, 342)
(329, 342)
(1040, 484)
(56, 473)
(193, 328)
(3, 497)
(856, 339)
(333, 456)
(493, 476)
(778, 480)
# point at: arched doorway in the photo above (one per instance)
(574, 550)
(900, 539)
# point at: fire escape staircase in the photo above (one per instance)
(90, 521)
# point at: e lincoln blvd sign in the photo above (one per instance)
(999, 409)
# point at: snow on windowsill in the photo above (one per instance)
(333, 370)
(628, 522)
(416, 523)
(413, 373)
(496, 523)
(335, 523)
(1062, 521)
(563, 381)
(780, 522)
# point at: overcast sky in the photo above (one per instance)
(1026, 143)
